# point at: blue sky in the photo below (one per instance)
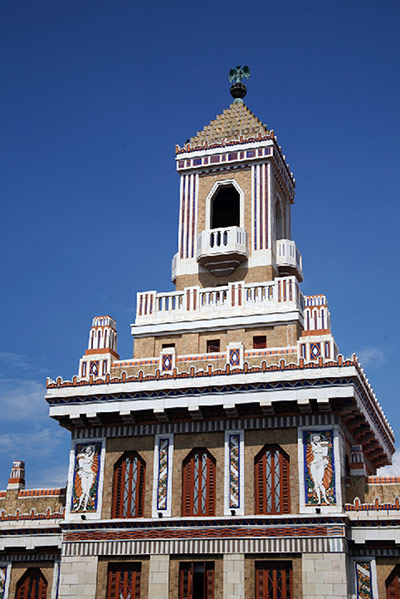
(94, 97)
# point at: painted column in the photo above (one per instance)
(159, 577)
(233, 576)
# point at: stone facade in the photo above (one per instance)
(242, 469)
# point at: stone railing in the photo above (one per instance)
(281, 295)
(229, 240)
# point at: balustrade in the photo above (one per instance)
(233, 299)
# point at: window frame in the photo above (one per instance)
(186, 575)
(113, 580)
(262, 568)
(119, 488)
(261, 479)
(192, 473)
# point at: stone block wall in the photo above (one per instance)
(233, 576)
(324, 576)
(78, 578)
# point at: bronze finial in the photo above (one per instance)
(238, 89)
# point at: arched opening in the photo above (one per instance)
(32, 585)
(225, 208)
(272, 481)
(279, 224)
(128, 488)
(198, 493)
(393, 584)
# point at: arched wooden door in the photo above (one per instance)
(32, 585)
(393, 584)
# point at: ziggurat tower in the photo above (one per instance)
(234, 456)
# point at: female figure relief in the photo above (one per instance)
(319, 466)
(86, 474)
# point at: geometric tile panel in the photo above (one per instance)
(315, 351)
(234, 472)
(162, 474)
(166, 362)
(3, 574)
(363, 577)
(94, 368)
(234, 357)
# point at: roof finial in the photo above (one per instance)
(238, 89)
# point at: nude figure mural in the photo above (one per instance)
(86, 477)
(319, 469)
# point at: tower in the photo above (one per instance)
(234, 455)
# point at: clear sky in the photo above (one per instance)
(94, 96)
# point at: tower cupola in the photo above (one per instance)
(236, 194)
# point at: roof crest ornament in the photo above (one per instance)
(238, 89)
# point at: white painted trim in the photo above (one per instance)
(213, 191)
(8, 566)
(56, 574)
(353, 576)
(76, 516)
(227, 509)
(167, 512)
(232, 322)
(325, 509)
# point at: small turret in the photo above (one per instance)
(17, 476)
(102, 348)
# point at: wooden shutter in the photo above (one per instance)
(274, 580)
(198, 481)
(272, 481)
(128, 486)
(186, 581)
(123, 581)
(393, 585)
(209, 580)
(32, 585)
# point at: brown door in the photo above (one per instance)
(393, 584)
(196, 580)
(273, 580)
(32, 585)
(123, 581)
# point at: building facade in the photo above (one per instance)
(234, 456)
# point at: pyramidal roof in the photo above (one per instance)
(235, 121)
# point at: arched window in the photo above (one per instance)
(272, 485)
(225, 208)
(123, 581)
(128, 489)
(393, 584)
(198, 492)
(32, 585)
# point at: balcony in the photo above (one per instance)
(241, 299)
(288, 258)
(222, 250)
